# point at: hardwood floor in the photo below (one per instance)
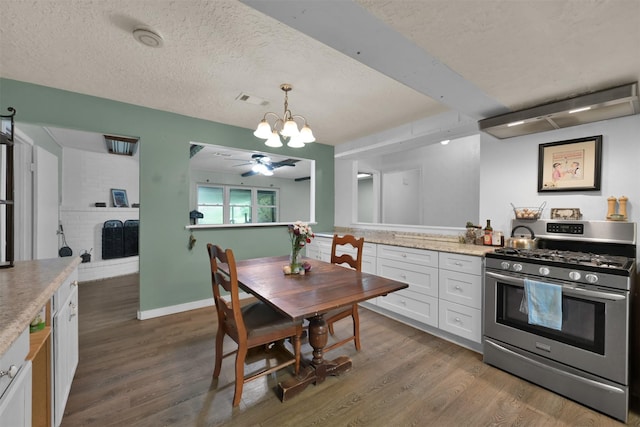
(157, 372)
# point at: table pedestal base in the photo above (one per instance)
(312, 375)
(319, 368)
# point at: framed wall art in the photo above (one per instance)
(119, 198)
(572, 165)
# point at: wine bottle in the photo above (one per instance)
(488, 234)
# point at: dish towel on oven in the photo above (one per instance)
(544, 303)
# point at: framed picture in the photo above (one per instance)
(119, 198)
(572, 165)
(565, 213)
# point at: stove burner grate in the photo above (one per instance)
(567, 257)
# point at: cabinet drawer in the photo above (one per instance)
(63, 292)
(14, 356)
(462, 263)
(421, 279)
(461, 288)
(460, 320)
(424, 310)
(415, 256)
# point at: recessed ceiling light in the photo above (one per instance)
(445, 141)
(148, 37)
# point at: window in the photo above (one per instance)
(221, 204)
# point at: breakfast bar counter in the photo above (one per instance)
(25, 289)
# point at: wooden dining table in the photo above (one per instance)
(325, 287)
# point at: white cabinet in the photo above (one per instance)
(460, 291)
(419, 269)
(15, 384)
(319, 248)
(65, 343)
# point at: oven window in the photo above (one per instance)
(583, 321)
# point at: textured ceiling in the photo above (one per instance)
(418, 58)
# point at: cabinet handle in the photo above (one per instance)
(403, 276)
(74, 311)
(13, 370)
(403, 255)
(457, 319)
(74, 283)
(403, 302)
(458, 288)
(458, 263)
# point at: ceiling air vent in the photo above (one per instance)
(121, 145)
(606, 104)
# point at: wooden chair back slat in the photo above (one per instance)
(347, 240)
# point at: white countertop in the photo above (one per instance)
(432, 242)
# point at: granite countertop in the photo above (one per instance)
(434, 242)
(24, 289)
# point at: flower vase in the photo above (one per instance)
(294, 261)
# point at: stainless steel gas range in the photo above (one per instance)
(582, 275)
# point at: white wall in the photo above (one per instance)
(449, 183)
(509, 172)
(87, 178)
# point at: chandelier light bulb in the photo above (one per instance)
(263, 130)
(295, 142)
(290, 129)
(273, 140)
(306, 135)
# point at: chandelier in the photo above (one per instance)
(287, 127)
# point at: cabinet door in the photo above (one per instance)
(422, 280)
(460, 320)
(65, 333)
(15, 403)
(461, 263)
(461, 288)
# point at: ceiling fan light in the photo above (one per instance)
(295, 142)
(290, 129)
(267, 172)
(263, 131)
(273, 140)
(306, 135)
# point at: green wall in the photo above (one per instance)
(170, 274)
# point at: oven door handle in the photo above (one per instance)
(566, 289)
(558, 372)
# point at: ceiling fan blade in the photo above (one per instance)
(249, 173)
(287, 162)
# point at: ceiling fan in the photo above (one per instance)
(263, 165)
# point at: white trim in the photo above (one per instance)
(179, 308)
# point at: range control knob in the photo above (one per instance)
(504, 265)
(544, 271)
(574, 275)
(517, 267)
(591, 278)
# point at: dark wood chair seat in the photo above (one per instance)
(261, 320)
(250, 326)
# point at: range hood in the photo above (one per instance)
(607, 104)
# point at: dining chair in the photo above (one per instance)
(343, 242)
(250, 326)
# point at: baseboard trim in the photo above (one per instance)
(180, 308)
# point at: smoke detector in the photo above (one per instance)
(148, 37)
